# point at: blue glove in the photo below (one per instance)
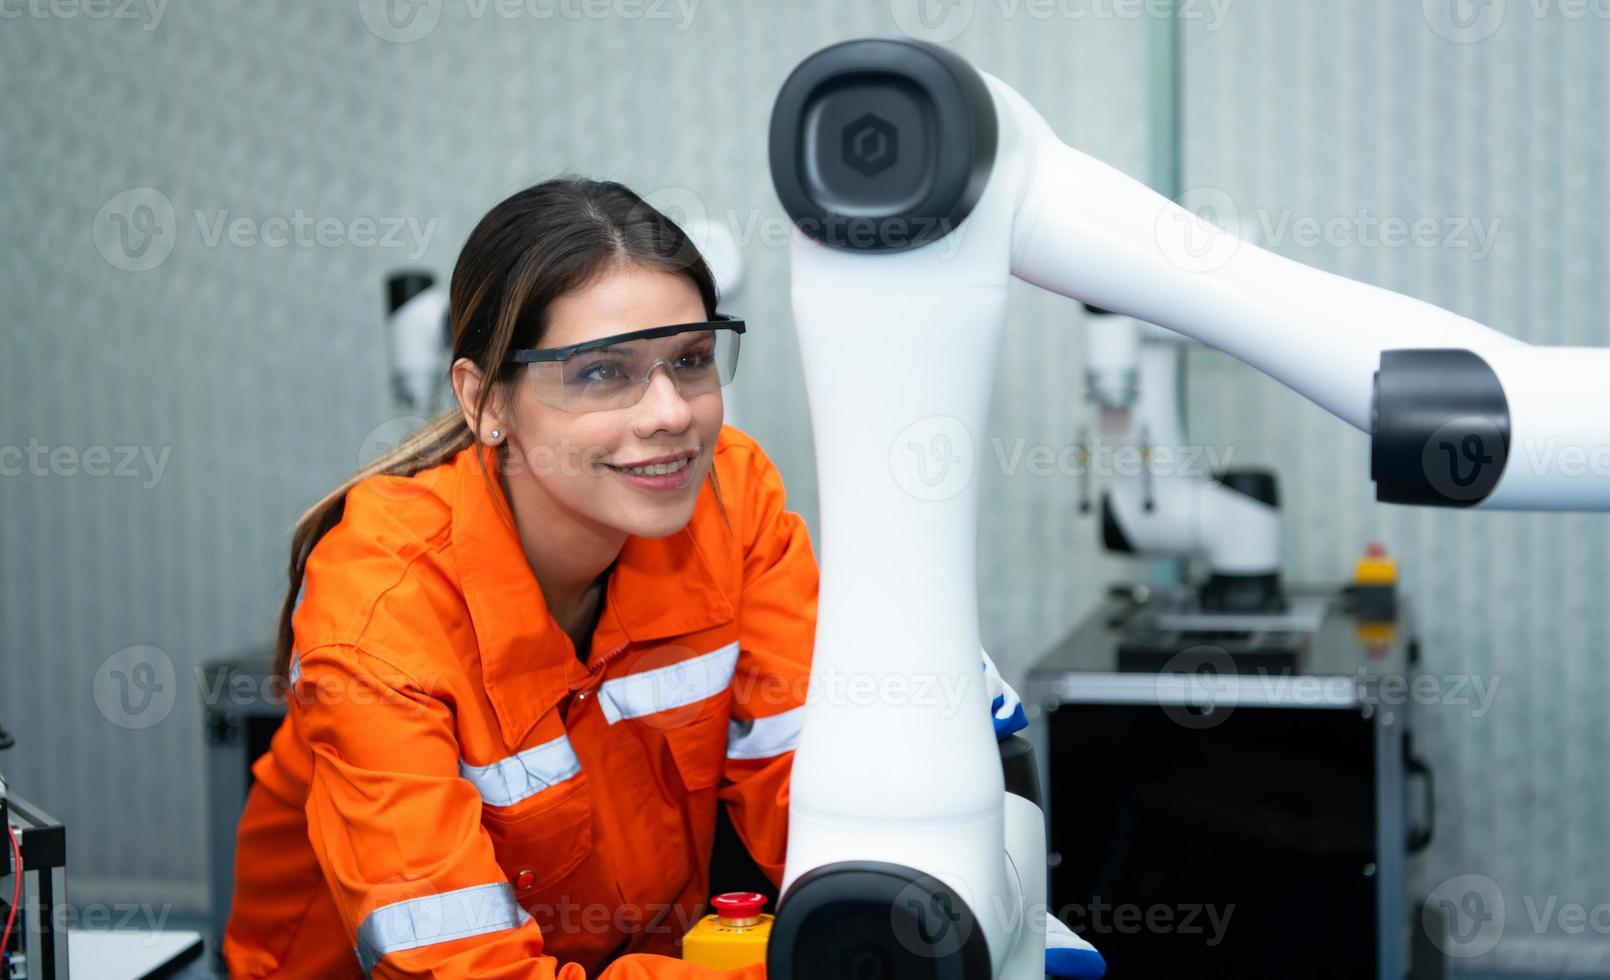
(1005, 708)
(1066, 955)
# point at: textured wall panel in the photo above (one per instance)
(1312, 111)
(253, 373)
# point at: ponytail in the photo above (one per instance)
(433, 444)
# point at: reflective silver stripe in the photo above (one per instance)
(763, 738)
(296, 665)
(429, 919)
(663, 688)
(524, 774)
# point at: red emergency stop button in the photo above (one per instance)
(525, 879)
(738, 908)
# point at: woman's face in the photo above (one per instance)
(576, 458)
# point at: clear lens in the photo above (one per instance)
(613, 377)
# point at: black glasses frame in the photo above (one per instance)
(531, 355)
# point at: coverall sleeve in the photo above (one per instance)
(776, 633)
(398, 836)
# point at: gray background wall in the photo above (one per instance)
(251, 376)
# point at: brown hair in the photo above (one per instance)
(527, 251)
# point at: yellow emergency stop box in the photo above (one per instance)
(735, 936)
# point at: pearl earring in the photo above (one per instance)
(496, 433)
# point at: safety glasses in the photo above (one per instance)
(613, 372)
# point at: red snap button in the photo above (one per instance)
(525, 879)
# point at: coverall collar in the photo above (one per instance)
(660, 588)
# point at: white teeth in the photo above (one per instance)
(656, 469)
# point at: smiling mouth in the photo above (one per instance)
(667, 468)
(656, 469)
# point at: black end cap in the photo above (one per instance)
(1017, 767)
(1112, 536)
(1260, 485)
(873, 920)
(1242, 593)
(1439, 428)
(881, 145)
(404, 286)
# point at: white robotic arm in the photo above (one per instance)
(1460, 414)
(1084, 229)
(918, 187)
(1230, 518)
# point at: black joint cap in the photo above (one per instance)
(1018, 769)
(404, 286)
(873, 920)
(1242, 593)
(1112, 536)
(881, 145)
(1439, 428)
(1260, 485)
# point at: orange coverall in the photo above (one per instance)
(454, 793)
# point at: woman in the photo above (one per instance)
(519, 680)
(529, 653)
